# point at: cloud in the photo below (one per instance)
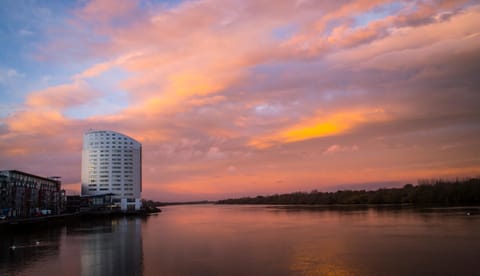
(102, 67)
(208, 84)
(62, 96)
(3, 128)
(7, 75)
(105, 10)
(95, 70)
(322, 125)
(409, 47)
(33, 121)
(25, 32)
(338, 149)
(215, 153)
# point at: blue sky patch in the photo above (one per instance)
(377, 13)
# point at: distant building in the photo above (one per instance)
(24, 195)
(112, 163)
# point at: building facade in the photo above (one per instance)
(112, 163)
(25, 195)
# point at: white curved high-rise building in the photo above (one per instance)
(112, 163)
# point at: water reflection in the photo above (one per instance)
(253, 240)
(263, 240)
(112, 248)
(88, 247)
(20, 248)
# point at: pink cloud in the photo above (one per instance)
(206, 80)
(100, 10)
(62, 96)
(338, 149)
(419, 44)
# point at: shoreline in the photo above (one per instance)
(21, 222)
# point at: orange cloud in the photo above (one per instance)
(61, 96)
(321, 126)
(16, 151)
(164, 91)
(186, 84)
(46, 122)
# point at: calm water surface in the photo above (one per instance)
(252, 240)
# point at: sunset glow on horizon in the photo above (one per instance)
(239, 98)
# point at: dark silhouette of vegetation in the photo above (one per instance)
(151, 203)
(184, 203)
(427, 192)
(150, 206)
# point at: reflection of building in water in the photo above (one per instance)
(23, 194)
(112, 163)
(114, 249)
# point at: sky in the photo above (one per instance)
(234, 98)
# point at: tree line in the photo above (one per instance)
(428, 191)
(152, 203)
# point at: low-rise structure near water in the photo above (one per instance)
(25, 195)
(91, 203)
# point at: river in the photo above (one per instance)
(252, 240)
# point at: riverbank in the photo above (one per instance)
(19, 222)
(459, 192)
